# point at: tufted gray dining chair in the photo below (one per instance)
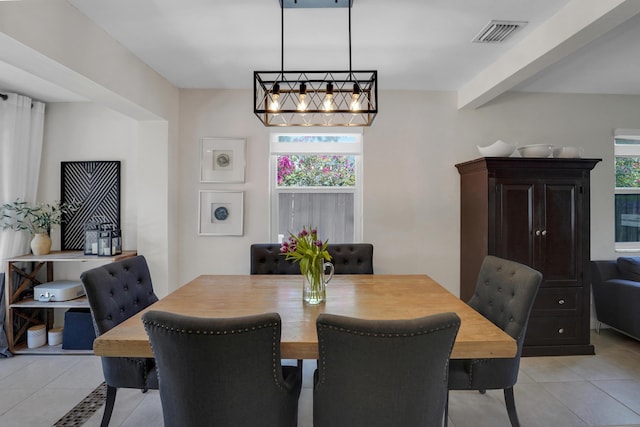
(380, 373)
(504, 294)
(223, 372)
(347, 258)
(117, 291)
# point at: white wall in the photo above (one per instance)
(85, 131)
(411, 201)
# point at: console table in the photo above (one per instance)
(23, 311)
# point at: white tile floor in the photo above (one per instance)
(600, 390)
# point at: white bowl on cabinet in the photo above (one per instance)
(536, 150)
(497, 149)
(567, 153)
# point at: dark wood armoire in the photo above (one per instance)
(534, 211)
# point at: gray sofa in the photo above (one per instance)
(616, 293)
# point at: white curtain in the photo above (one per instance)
(21, 130)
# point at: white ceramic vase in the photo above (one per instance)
(41, 244)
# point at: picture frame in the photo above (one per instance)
(222, 159)
(221, 213)
(96, 186)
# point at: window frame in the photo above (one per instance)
(354, 149)
(625, 150)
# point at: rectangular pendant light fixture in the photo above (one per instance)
(315, 98)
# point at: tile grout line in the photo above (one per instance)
(594, 382)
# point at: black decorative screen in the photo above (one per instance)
(96, 185)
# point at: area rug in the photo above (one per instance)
(85, 409)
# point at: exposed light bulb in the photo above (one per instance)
(355, 98)
(274, 105)
(355, 102)
(302, 103)
(328, 102)
(328, 98)
(302, 99)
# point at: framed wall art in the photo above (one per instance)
(221, 213)
(222, 160)
(96, 185)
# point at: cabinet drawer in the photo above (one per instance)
(554, 330)
(558, 302)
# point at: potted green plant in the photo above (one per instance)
(38, 219)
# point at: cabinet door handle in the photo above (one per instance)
(544, 232)
(561, 301)
(537, 232)
(561, 331)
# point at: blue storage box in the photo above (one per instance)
(78, 333)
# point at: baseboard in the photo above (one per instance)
(558, 350)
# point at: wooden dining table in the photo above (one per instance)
(378, 296)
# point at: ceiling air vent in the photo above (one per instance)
(498, 31)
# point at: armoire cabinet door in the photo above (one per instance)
(559, 256)
(516, 219)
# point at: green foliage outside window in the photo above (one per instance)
(317, 170)
(627, 172)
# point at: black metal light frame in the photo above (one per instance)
(315, 98)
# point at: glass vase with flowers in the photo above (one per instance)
(311, 253)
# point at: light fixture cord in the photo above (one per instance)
(350, 72)
(282, 39)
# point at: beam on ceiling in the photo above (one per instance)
(574, 26)
(35, 65)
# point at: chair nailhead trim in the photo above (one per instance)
(206, 332)
(322, 345)
(274, 342)
(385, 334)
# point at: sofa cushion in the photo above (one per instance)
(629, 267)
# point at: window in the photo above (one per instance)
(316, 179)
(627, 193)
